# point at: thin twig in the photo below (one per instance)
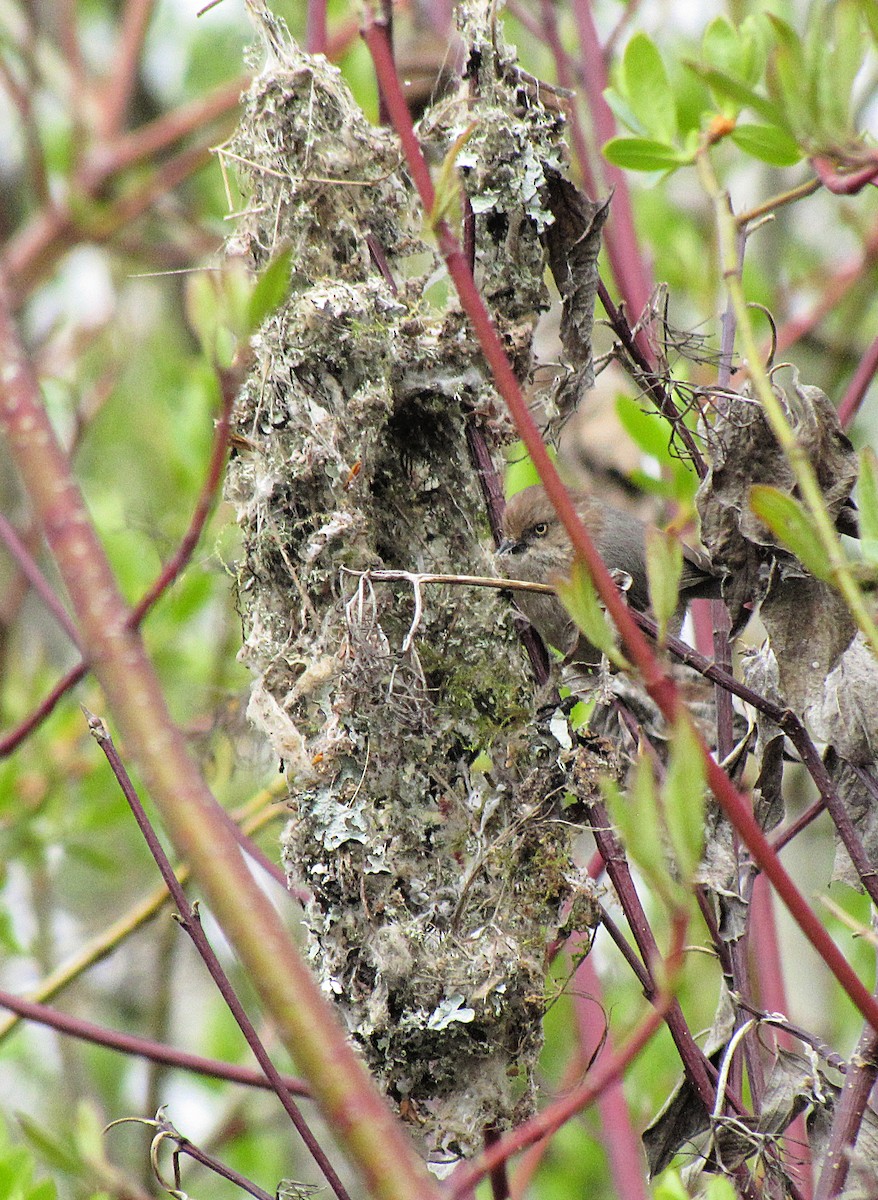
(253, 816)
(126, 1043)
(203, 507)
(35, 577)
(117, 94)
(191, 923)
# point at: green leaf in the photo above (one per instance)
(646, 87)
(869, 10)
(768, 143)
(580, 714)
(670, 1187)
(579, 597)
(720, 1188)
(446, 203)
(725, 86)
(16, 1170)
(643, 154)
(55, 1150)
(683, 795)
(789, 81)
(786, 518)
(756, 40)
(481, 764)
(649, 431)
(637, 816)
(664, 566)
(867, 501)
(842, 65)
(271, 289)
(520, 470)
(623, 112)
(46, 1190)
(721, 46)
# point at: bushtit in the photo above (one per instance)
(536, 547)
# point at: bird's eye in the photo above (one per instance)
(540, 529)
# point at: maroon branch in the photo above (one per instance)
(126, 1043)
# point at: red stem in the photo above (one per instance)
(858, 386)
(623, 1146)
(845, 183)
(171, 570)
(629, 271)
(35, 577)
(315, 27)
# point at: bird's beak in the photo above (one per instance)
(508, 546)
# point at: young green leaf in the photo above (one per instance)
(786, 518)
(520, 470)
(664, 566)
(768, 143)
(643, 154)
(842, 65)
(637, 817)
(867, 500)
(579, 597)
(447, 199)
(670, 1187)
(720, 1188)
(725, 86)
(647, 89)
(721, 46)
(651, 432)
(683, 795)
(789, 79)
(869, 10)
(270, 290)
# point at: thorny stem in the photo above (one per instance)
(727, 228)
(659, 684)
(191, 922)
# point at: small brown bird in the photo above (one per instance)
(536, 547)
